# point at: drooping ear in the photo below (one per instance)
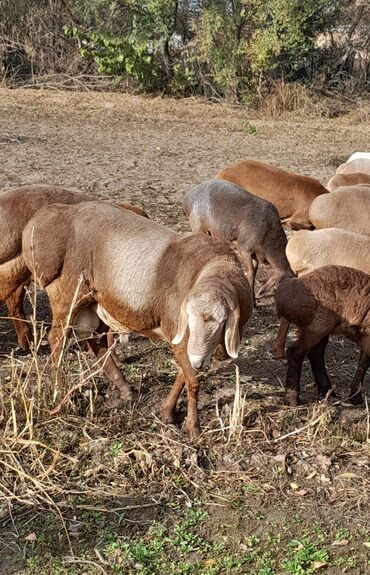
(232, 335)
(182, 324)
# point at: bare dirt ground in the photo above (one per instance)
(267, 489)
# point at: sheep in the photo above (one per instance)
(329, 300)
(359, 155)
(228, 212)
(343, 180)
(361, 165)
(17, 206)
(136, 275)
(309, 250)
(290, 193)
(347, 208)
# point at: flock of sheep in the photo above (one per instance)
(106, 267)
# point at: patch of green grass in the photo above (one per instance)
(115, 447)
(180, 550)
(251, 488)
(250, 128)
(305, 557)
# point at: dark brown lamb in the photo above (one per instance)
(330, 300)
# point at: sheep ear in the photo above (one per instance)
(182, 324)
(232, 336)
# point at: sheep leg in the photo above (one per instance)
(169, 404)
(295, 357)
(110, 342)
(192, 424)
(267, 286)
(317, 361)
(14, 303)
(250, 265)
(279, 343)
(14, 276)
(363, 365)
(99, 345)
(296, 354)
(187, 376)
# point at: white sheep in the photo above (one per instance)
(139, 276)
(358, 156)
(228, 212)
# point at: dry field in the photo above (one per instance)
(267, 489)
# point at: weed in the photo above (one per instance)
(116, 447)
(251, 488)
(249, 128)
(306, 557)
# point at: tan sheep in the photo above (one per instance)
(290, 193)
(359, 165)
(347, 208)
(309, 250)
(136, 275)
(343, 180)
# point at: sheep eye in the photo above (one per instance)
(205, 317)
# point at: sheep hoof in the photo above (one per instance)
(167, 417)
(356, 399)
(292, 399)
(127, 395)
(192, 429)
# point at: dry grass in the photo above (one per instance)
(90, 452)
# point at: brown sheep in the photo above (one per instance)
(330, 300)
(17, 207)
(290, 193)
(138, 276)
(252, 224)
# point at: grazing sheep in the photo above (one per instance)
(347, 208)
(329, 300)
(343, 180)
(228, 212)
(307, 251)
(138, 276)
(290, 193)
(361, 165)
(17, 207)
(359, 155)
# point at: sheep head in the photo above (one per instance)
(209, 318)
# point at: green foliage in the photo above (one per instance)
(118, 56)
(306, 558)
(221, 48)
(285, 30)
